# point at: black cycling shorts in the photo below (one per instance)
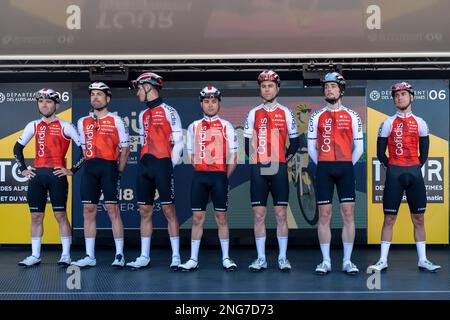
(263, 181)
(100, 175)
(404, 178)
(206, 183)
(43, 184)
(339, 173)
(154, 173)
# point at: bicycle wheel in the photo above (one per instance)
(306, 196)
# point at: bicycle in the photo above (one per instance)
(304, 184)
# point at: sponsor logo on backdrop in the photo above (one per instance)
(375, 95)
(426, 95)
(13, 186)
(26, 96)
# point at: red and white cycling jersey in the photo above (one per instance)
(335, 131)
(210, 140)
(403, 132)
(51, 141)
(158, 128)
(101, 137)
(269, 128)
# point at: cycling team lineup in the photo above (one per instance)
(315, 151)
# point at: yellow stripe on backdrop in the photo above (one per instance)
(436, 215)
(15, 218)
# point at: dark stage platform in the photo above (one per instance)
(403, 280)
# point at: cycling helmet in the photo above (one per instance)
(47, 93)
(148, 77)
(402, 86)
(102, 87)
(269, 75)
(210, 92)
(334, 77)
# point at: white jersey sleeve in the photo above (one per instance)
(27, 133)
(249, 124)
(174, 119)
(312, 135)
(231, 137)
(291, 123)
(423, 127)
(70, 132)
(356, 126)
(312, 125)
(177, 133)
(141, 127)
(358, 136)
(81, 132)
(122, 130)
(386, 127)
(190, 139)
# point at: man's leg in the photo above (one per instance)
(37, 230)
(64, 231)
(117, 226)
(324, 231)
(90, 228)
(348, 229)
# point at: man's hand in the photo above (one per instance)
(61, 172)
(29, 173)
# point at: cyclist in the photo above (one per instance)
(212, 146)
(104, 136)
(406, 137)
(333, 131)
(266, 129)
(161, 139)
(48, 175)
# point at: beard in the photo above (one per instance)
(332, 100)
(98, 106)
(403, 108)
(48, 114)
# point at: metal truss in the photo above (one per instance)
(224, 65)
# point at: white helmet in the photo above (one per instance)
(210, 92)
(102, 87)
(47, 93)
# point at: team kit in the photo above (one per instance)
(334, 143)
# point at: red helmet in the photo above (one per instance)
(269, 75)
(402, 86)
(149, 77)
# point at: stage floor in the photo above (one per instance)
(403, 280)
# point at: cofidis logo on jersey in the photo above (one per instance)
(262, 136)
(89, 140)
(326, 134)
(41, 140)
(398, 139)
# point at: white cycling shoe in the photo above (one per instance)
(229, 265)
(85, 262)
(190, 265)
(140, 263)
(30, 261)
(323, 268)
